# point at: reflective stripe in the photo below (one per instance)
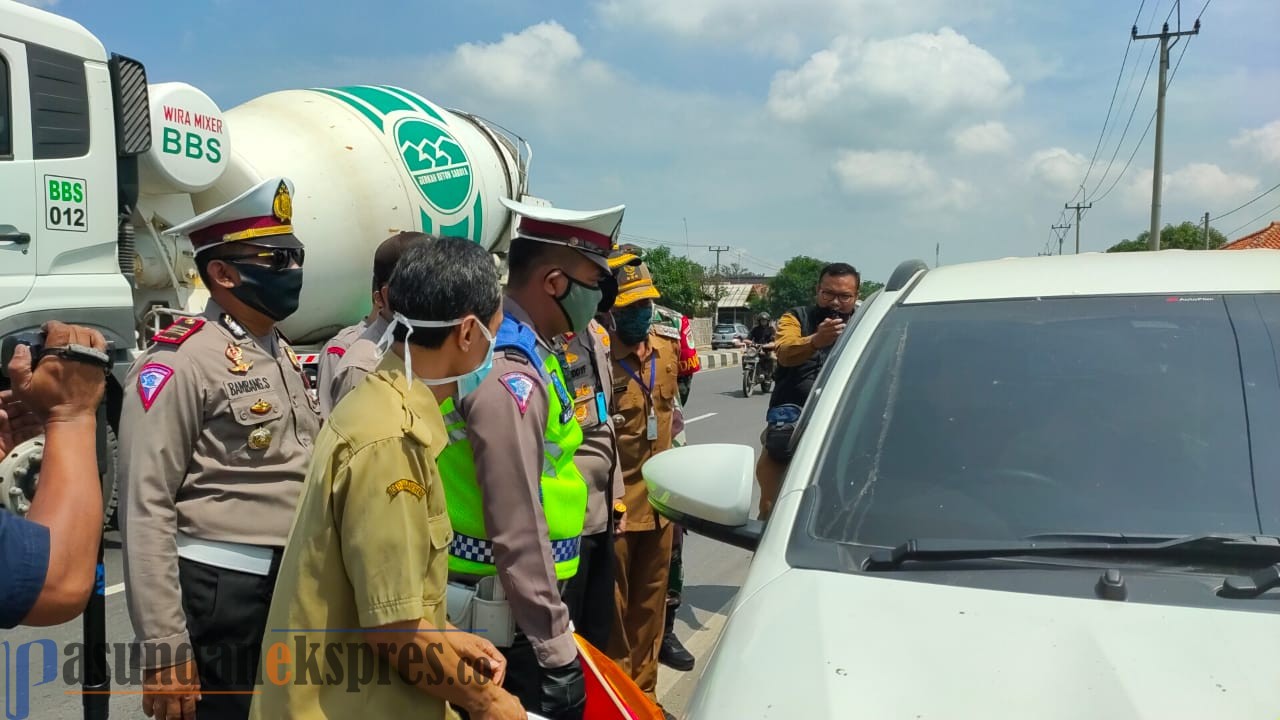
(481, 550)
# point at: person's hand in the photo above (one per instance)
(828, 332)
(17, 423)
(564, 691)
(502, 705)
(480, 654)
(171, 693)
(59, 389)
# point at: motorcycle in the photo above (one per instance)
(757, 369)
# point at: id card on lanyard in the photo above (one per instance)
(651, 427)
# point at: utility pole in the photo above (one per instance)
(1206, 231)
(937, 249)
(1077, 207)
(1055, 228)
(686, 236)
(717, 249)
(1157, 177)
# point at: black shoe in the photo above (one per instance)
(673, 654)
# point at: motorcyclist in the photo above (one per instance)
(763, 335)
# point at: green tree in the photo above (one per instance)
(867, 287)
(679, 279)
(793, 285)
(1187, 236)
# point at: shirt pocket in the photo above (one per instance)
(440, 535)
(256, 421)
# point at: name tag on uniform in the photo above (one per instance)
(602, 410)
(651, 431)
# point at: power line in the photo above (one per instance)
(1268, 212)
(1111, 105)
(1230, 212)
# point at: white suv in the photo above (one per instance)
(1026, 488)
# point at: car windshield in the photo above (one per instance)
(999, 420)
(726, 329)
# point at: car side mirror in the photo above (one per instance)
(707, 489)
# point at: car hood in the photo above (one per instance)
(829, 645)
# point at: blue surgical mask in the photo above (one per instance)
(466, 383)
(633, 323)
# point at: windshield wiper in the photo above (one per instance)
(1251, 586)
(1215, 547)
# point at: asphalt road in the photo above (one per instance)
(717, 413)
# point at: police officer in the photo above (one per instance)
(646, 358)
(362, 357)
(216, 429)
(590, 593)
(516, 501)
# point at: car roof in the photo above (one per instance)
(1127, 273)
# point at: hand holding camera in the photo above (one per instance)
(60, 379)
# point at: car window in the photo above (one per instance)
(997, 420)
(724, 329)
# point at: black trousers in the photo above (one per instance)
(590, 593)
(226, 619)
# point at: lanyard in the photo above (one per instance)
(653, 369)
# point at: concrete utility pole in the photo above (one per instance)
(937, 250)
(1157, 178)
(1206, 231)
(1056, 228)
(717, 249)
(686, 236)
(1077, 207)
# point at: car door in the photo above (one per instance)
(17, 178)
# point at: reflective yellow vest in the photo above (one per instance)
(563, 490)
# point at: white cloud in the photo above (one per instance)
(989, 137)
(899, 87)
(905, 175)
(1263, 141)
(1058, 169)
(781, 28)
(1200, 185)
(883, 171)
(535, 64)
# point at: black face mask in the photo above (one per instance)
(827, 313)
(274, 293)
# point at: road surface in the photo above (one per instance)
(717, 412)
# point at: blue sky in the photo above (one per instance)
(858, 130)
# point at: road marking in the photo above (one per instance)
(700, 417)
(113, 589)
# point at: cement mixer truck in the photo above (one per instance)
(95, 164)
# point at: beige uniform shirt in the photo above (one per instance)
(506, 434)
(634, 402)
(215, 434)
(369, 548)
(589, 372)
(360, 359)
(327, 365)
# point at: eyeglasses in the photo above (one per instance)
(829, 296)
(281, 258)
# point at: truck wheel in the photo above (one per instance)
(111, 483)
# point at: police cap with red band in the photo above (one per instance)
(590, 232)
(262, 215)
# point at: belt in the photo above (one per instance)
(251, 559)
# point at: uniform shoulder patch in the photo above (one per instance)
(335, 350)
(520, 385)
(179, 331)
(151, 380)
(409, 485)
(667, 331)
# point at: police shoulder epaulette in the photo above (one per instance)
(667, 331)
(179, 331)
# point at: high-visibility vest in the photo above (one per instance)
(562, 488)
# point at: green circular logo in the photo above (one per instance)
(436, 162)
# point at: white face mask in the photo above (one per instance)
(467, 383)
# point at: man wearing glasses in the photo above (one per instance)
(804, 340)
(216, 429)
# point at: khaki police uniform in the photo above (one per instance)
(589, 373)
(369, 548)
(646, 401)
(360, 359)
(215, 433)
(327, 366)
